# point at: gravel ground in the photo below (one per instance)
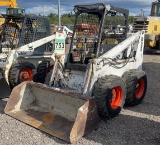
(133, 126)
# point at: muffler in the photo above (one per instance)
(61, 113)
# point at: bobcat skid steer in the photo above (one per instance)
(18, 62)
(101, 72)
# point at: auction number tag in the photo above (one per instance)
(60, 44)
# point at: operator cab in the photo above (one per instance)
(94, 33)
(155, 10)
(19, 30)
(15, 11)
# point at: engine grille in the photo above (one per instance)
(140, 25)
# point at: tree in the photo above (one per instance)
(53, 18)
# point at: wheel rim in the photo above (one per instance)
(140, 86)
(26, 75)
(116, 97)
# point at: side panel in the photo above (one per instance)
(110, 64)
(152, 36)
(154, 26)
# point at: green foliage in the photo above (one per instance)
(131, 19)
(53, 18)
(69, 19)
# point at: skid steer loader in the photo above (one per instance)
(101, 72)
(19, 61)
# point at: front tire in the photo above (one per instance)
(20, 72)
(42, 70)
(110, 94)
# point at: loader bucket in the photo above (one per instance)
(60, 113)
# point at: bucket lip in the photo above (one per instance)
(58, 90)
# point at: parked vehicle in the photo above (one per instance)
(101, 72)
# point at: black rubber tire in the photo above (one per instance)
(42, 71)
(14, 73)
(132, 78)
(103, 95)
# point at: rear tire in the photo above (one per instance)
(20, 72)
(42, 70)
(136, 86)
(110, 94)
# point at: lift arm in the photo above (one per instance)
(10, 3)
